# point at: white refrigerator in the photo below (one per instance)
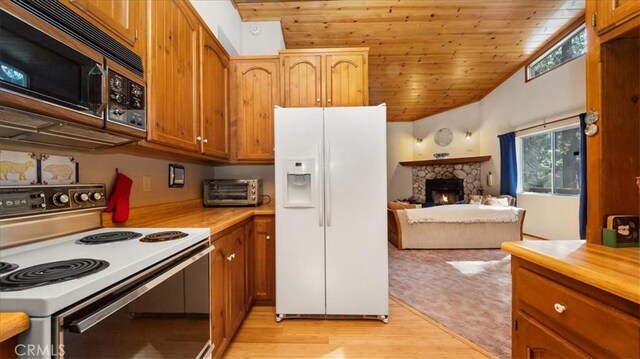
(331, 221)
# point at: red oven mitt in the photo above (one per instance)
(119, 200)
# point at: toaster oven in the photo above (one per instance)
(232, 192)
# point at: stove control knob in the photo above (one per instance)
(60, 199)
(37, 195)
(81, 197)
(38, 206)
(96, 196)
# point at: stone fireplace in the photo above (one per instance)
(444, 191)
(468, 173)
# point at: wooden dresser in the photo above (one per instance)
(573, 299)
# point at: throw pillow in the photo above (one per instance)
(499, 202)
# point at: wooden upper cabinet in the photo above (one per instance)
(255, 92)
(610, 13)
(347, 83)
(214, 85)
(125, 20)
(302, 80)
(325, 77)
(172, 79)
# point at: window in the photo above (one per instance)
(570, 47)
(550, 162)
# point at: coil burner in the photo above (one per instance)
(50, 273)
(163, 236)
(108, 237)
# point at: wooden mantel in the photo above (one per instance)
(442, 161)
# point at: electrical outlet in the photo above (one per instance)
(146, 183)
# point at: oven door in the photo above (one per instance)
(231, 192)
(47, 71)
(163, 312)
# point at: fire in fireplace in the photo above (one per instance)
(444, 191)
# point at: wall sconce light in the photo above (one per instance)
(418, 140)
(467, 134)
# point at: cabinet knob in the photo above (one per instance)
(199, 138)
(205, 141)
(559, 308)
(268, 237)
(329, 100)
(318, 100)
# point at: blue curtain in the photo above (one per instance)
(508, 164)
(583, 178)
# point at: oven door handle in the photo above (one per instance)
(82, 324)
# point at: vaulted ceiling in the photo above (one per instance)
(426, 56)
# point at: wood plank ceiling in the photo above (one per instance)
(426, 56)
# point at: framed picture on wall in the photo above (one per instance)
(18, 168)
(58, 169)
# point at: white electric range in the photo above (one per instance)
(93, 293)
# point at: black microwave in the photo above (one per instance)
(55, 63)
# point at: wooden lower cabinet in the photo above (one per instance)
(242, 273)
(219, 285)
(533, 340)
(249, 265)
(265, 260)
(555, 316)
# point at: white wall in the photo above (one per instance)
(267, 40)
(266, 172)
(459, 120)
(513, 105)
(224, 21)
(517, 104)
(400, 142)
(551, 217)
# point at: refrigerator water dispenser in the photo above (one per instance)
(298, 179)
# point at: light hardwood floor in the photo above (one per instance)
(409, 334)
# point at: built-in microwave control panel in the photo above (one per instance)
(126, 102)
(29, 200)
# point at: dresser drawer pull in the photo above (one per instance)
(559, 308)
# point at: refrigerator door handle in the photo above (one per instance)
(327, 177)
(320, 200)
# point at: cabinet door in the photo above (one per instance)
(125, 20)
(302, 81)
(533, 340)
(173, 75)
(614, 12)
(214, 67)
(249, 265)
(347, 83)
(236, 264)
(219, 292)
(257, 94)
(265, 260)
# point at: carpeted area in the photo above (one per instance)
(468, 291)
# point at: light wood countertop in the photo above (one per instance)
(615, 270)
(189, 214)
(12, 324)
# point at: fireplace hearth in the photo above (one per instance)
(444, 191)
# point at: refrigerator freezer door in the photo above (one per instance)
(355, 197)
(300, 276)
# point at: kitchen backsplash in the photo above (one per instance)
(100, 168)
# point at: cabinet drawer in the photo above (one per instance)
(615, 332)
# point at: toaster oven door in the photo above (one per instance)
(228, 193)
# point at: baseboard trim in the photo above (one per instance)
(535, 237)
(442, 327)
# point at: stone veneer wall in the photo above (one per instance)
(470, 172)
